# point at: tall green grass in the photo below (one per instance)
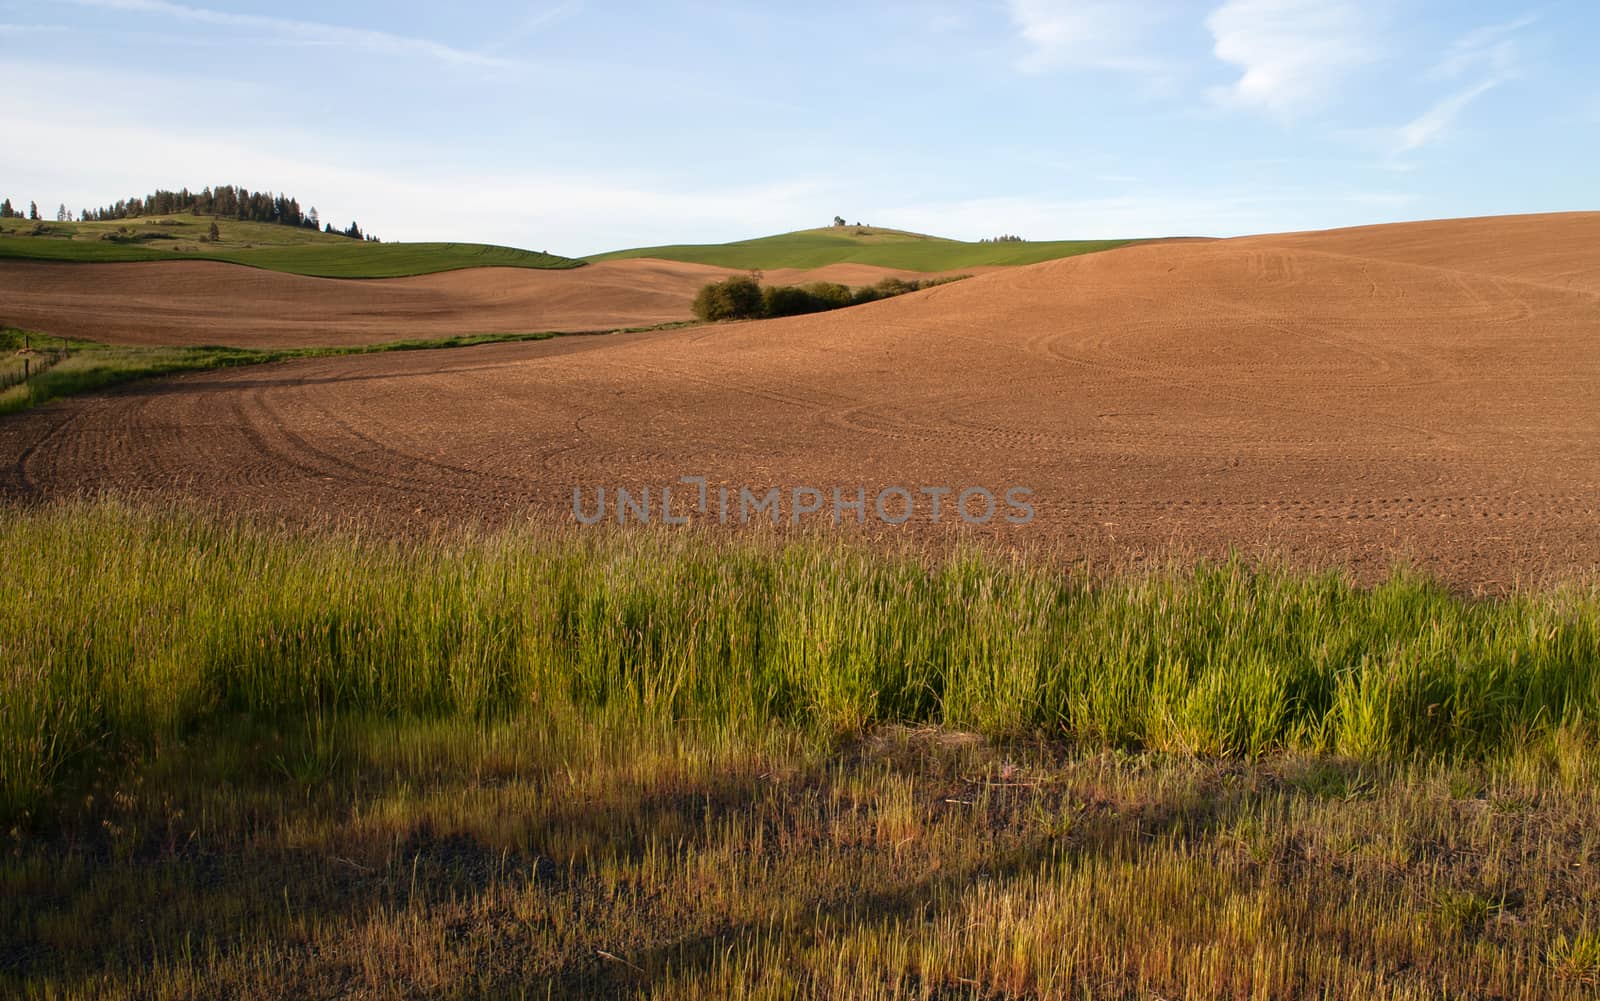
(123, 624)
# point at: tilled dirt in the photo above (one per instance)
(203, 302)
(1339, 399)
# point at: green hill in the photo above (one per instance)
(889, 248)
(261, 245)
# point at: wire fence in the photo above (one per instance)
(21, 366)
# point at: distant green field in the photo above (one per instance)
(889, 248)
(261, 245)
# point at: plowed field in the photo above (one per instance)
(1346, 397)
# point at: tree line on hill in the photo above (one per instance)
(743, 297)
(7, 212)
(223, 202)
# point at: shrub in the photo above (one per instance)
(742, 297)
(790, 300)
(736, 298)
(830, 294)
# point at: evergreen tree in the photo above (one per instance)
(224, 201)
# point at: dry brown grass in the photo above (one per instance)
(594, 859)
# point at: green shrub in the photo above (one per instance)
(736, 298)
(743, 297)
(831, 294)
(790, 300)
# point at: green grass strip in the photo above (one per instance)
(64, 367)
(123, 624)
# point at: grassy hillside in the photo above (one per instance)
(261, 245)
(889, 248)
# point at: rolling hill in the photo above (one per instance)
(192, 302)
(1344, 398)
(888, 248)
(288, 249)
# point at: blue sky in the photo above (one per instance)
(581, 125)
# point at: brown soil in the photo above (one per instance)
(1345, 397)
(203, 302)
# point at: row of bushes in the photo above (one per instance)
(743, 297)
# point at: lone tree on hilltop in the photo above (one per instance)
(33, 211)
(838, 220)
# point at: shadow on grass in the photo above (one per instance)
(255, 833)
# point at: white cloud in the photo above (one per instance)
(309, 32)
(531, 23)
(1084, 34)
(1489, 50)
(1490, 46)
(71, 116)
(30, 29)
(1293, 54)
(1432, 124)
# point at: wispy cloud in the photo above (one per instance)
(1491, 52)
(532, 22)
(309, 32)
(72, 115)
(1084, 34)
(29, 29)
(1432, 124)
(1491, 46)
(1293, 54)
